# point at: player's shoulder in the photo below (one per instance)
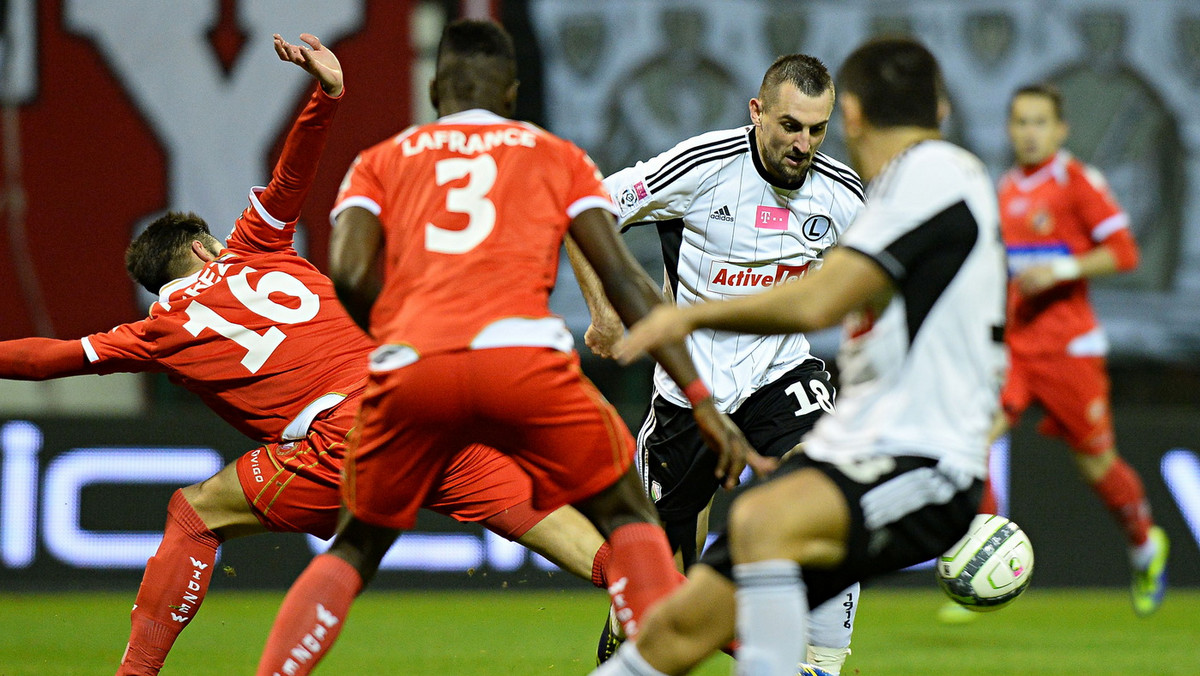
(696, 158)
(840, 176)
(1077, 171)
(932, 172)
(712, 145)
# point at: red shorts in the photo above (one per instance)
(532, 403)
(295, 487)
(1072, 390)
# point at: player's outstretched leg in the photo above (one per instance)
(315, 608)
(173, 587)
(640, 568)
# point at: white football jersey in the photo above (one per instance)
(923, 377)
(727, 230)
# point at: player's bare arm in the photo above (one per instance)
(633, 294)
(321, 63)
(355, 250)
(606, 329)
(847, 281)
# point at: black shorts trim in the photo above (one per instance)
(903, 510)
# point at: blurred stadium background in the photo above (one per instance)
(113, 112)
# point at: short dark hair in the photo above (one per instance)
(806, 72)
(1043, 89)
(161, 252)
(476, 61)
(896, 80)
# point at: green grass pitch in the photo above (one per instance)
(1057, 632)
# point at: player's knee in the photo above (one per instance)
(665, 630)
(1094, 466)
(751, 535)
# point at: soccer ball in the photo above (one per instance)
(989, 567)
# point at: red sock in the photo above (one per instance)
(310, 618)
(988, 504)
(600, 566)
(173, 587)
(1122, 493)
(641, 571)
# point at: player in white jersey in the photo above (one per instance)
(894, 475)
(738, 212)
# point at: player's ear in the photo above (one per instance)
(433, 95)
(756, 109)
(201, 250)
(852, 119)
(510, 97)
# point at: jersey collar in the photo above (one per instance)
(1053, 168)
(762, 170)
(472, 116)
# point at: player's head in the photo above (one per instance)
(476, 68)
(164, 251)
(891, 89)
(791, 115)
(1036, 125)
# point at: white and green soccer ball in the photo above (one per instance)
(989, 567)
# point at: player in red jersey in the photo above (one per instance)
(455, 227)
(1062, 226)
(257, 332)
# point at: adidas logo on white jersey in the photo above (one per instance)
(722, 214)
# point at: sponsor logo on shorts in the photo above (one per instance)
(255, 469)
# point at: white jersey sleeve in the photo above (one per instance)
(665, 186)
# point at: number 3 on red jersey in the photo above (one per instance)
(470, 199)
(258, 346)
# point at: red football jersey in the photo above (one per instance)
(258, 333)
(474, 208)
(1063, 207)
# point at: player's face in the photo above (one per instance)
(1034, 128)
(790, 126)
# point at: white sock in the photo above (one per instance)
(627, 662)
(772, 608)
(830, 626)
(1141, 556)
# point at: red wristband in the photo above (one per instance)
(696, 392)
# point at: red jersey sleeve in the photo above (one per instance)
(1107, 222)
(129, 348)
(42, 358)
(587, 189)
(361, 187)
(1095, 204)
(269, 223)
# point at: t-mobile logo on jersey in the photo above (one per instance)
(771, 218)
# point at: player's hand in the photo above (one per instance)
(724, 438)
(664, 324)
(602, 337)
(318, 61)
(1035, 279)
